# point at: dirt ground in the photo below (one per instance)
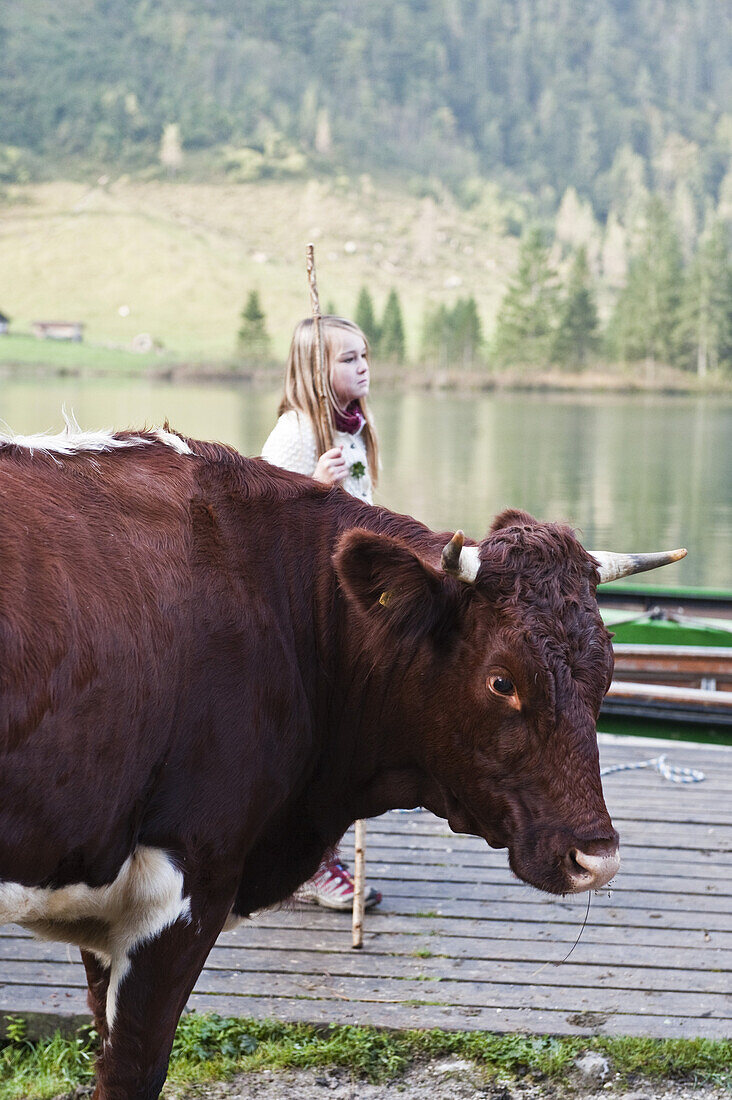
(441, 1080)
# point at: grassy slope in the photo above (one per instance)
(65, 356)
(183, 257)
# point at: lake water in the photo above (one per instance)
(631, 473)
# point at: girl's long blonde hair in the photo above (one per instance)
(300, 392)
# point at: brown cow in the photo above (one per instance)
(210, 667)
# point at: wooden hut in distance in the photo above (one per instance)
(59, 330)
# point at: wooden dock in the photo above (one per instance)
(459, 943)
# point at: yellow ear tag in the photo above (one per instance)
(384, 598)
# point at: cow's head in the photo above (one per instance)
(498, 662)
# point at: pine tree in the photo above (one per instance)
(253, 340)
(527, 315)
(391, 340)
(705, 327)
(452, 337)
(576, 334)
(436, 328)
(645, 323)
(466, 333)
(365, 318)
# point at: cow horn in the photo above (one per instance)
(459, 560)
(614, 566)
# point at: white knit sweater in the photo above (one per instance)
(291, 444)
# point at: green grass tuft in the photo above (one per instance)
(44, 1068)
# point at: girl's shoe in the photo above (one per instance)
(332, 887)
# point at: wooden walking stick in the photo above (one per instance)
(326, 431)
(359, 883)
(325, 418)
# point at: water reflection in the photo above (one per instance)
(630, 473)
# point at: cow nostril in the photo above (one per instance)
(575, 867)
(592, 871)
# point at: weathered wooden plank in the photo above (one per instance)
(249, 969)
(637, 890)
(635, 857)
(245, 961)
(711, 844)
(634, 811)
(625, 900)
(27, 949)
(477, 862)
(273, 942)
(426, 909)
(490, 881)
(389, 831)
(48, 973)
(55, 982)
(669, 878)
(640, 918)
(694, 835)
(54, 1008)
(685, 812)
(545, 1021)
(589, 998)
(601, 974)
(313, 921)
(460, 1019)
(500, 939)
(622, 747)
(48, 1008)
(459, 851)
(543, 942)
(633, 842)
(456, 899)
(52, 1003)
(493, 920)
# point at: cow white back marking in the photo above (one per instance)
(172, 440)
(145, 898)
(73, 440)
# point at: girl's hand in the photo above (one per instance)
(331, 467)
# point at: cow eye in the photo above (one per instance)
(501, 685)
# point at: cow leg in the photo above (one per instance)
(97, 979)
(147, 1005)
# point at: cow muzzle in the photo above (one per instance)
(591, 869)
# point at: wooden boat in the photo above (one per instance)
(715, 603)
(673, 666)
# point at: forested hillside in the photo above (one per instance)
(538, 94)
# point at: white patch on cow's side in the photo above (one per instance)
(73, 440)
(67, 443)
(172, 440)
(145, 898)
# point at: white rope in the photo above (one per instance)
(672, 772)
(668, 771)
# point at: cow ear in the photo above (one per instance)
(395, 587)
(512, 517)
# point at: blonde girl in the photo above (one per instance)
(296, 441)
